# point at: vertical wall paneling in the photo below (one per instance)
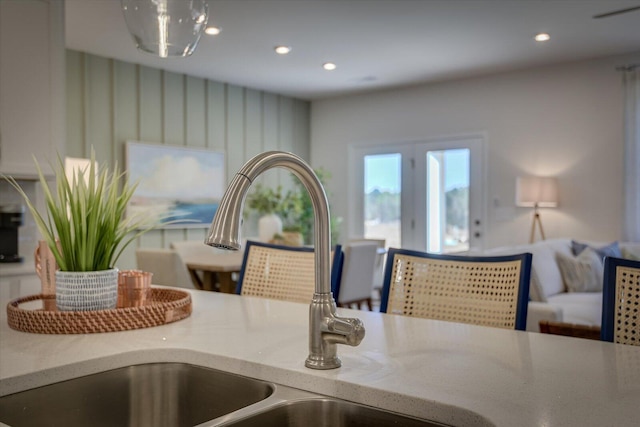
(75, 103)
(196, 234)
(301, 128)
(173, 109)
(285, 133)
(122, 93)
(270, 127)
(98, 109)
(174, 130)
(235, 130)
(173, 235)
(253, 123)
(125, 107)
(150, 104)
(195, 132)
(285, 110)
(174, 125)
(110, 102)
(216, 119)
(150, 89)
(125, 127)
(195, 112)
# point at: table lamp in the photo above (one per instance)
(536, 192)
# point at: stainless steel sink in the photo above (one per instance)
(158, 394)
(180, 394)
(327, 412)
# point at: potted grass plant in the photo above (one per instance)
(86, 230)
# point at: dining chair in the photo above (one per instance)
(188, 248)
(166, 266)
(283, 272)
(489, 291)
(356, 278)
(378, 276)
(194, 247)
(620, 301)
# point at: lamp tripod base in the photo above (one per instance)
(536, 222)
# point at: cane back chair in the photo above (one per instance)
(283, 272)
(620, 301)
(489, 291)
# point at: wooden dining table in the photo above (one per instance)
(217, 270)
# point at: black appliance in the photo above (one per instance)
(11, 217)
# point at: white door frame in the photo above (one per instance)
(413, 201)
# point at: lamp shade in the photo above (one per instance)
(166, 27)
(537, 191)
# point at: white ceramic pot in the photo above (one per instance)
(268, 226)
(86, 290)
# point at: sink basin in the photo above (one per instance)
(156, 394)
(327, 412)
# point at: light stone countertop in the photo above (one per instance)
(452, 373)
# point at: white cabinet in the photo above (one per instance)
(32, 81)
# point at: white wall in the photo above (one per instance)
(563, 120)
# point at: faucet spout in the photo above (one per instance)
(326, 329)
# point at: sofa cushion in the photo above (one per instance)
(579, 307)
(582, 273)
(631, 251)
(612, 249)
(546, 278)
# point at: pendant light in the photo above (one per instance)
(166, 27)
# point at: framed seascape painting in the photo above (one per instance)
(178, 185)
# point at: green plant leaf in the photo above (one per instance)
(85, 225)
(294, 208)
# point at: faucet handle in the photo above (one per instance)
(350, 330)
(357, 336)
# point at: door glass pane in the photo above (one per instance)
(448, 200)
(382, 182)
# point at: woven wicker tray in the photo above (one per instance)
(166, 306)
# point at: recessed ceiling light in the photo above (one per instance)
(329, 66)
(542, 37)
(212, 31)
(282, 50)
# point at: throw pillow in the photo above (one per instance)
(629, 253)
(583, 273)
(612, 249)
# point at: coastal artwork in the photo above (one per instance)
(176, 186)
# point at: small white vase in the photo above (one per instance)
(268, 226)
(86, 290)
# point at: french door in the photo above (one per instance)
(424, 195)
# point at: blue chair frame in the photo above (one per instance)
(610, 279)
(336, 264)
(523, 282)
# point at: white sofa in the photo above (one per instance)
(550, 299)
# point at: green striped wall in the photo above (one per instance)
(110, 102)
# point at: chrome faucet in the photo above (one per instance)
(326, 329)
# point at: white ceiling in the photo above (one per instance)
(375, 43)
